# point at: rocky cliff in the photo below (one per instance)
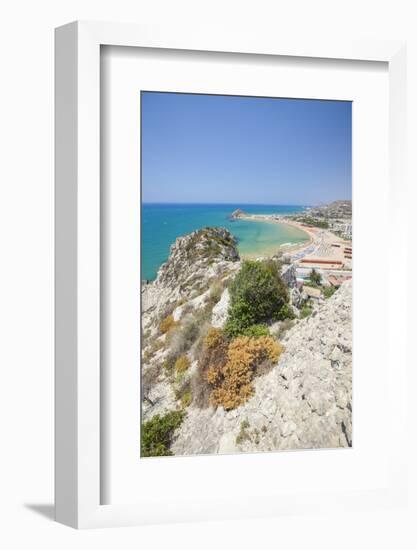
(301, 401)
(304, 402)
(195, 263)
(185, 290)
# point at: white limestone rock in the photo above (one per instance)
(289, 275)
(304, 402)
(220, 310)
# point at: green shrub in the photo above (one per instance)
(256, 331)
(315, 277)
(274, 267)
(243, 435)
(182, 390)
(158, 432)
(235, 325)
(305, 312)
(286, 312)
(328, 291)
(257, 295)
(186, 399)
(169, 363)
(314, 222)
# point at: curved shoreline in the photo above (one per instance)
(285, 249)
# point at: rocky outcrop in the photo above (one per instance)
(207, 249)
(289, 275)
(304, 402)
(195, 262)
(238, 213)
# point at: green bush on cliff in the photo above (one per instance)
(158, 432)
(328, 291)
(306, 311)
(256, 331)
(257, 295)
(315, 277)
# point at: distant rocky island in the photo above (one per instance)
(242, 356)
(238, 213)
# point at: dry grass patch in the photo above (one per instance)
(151, 349)
(213, 354)
(167, 324)
(182, 364)
(232, 382)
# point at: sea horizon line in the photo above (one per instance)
(228, 203)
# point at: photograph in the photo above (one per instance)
(246, 274)
(192, 359)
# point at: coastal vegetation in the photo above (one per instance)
(257, 295)
(246, 307)
(209, 243)
(157, 433)
(256, 331)
(313, 222)
(167, 324)
(315, 277)
(182, 364)
(182, 389)
(328, 291)
(243, 434)
(306, 311)
(215, 328)
(232, 371)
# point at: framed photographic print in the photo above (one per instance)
(246, 293)
(218, 275)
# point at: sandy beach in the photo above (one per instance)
(322, 245)
(298, 247)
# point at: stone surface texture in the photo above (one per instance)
(304, 402)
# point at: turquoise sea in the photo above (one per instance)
(163, 223)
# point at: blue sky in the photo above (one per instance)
(229, 149)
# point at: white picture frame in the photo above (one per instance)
(77, 422)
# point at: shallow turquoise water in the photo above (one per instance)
(163, 223)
